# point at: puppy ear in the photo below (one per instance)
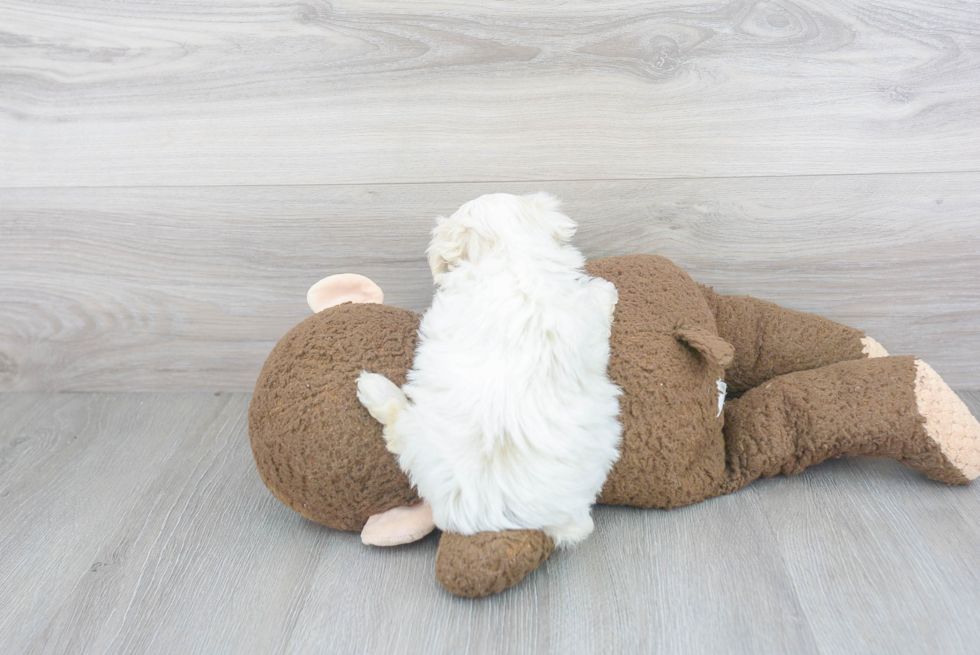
(547, 207)
(454, 242)
(441, 252)
(543, 201)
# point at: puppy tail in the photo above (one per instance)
(382, 398)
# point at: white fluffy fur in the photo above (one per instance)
(508, 420)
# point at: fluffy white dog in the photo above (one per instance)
(508, 420)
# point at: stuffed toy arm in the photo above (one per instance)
(486, 563)
(770, 340)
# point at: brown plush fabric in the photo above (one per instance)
(863, 407)
(810, 394)
(317, 449)
(489, 562)
(672, 451)
(771, 340)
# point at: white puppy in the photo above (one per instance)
(508, 420)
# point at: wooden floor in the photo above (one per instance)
(136, 523)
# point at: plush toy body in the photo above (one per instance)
(801, 389)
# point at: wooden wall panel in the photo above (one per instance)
(189, 288)
(96, 92)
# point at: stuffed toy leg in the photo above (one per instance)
(895, 407)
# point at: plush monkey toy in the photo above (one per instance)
(718, 391)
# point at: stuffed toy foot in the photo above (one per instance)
(948, 422)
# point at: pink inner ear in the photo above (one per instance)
(346, 287)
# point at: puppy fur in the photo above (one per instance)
(508, 420)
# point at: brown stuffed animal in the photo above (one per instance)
(801, 389)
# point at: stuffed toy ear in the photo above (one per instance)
(398, 525)
(710, 346)
(346, 287)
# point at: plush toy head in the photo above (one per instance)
(316, 448)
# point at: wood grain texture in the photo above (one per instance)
(73, 488)
(96, 93)
(137, 523)
(871, 540)
(638, 586)
(189, 288)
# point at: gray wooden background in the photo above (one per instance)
(174, 176)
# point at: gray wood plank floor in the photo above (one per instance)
(135, 523)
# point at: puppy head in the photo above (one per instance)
(495, 222)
